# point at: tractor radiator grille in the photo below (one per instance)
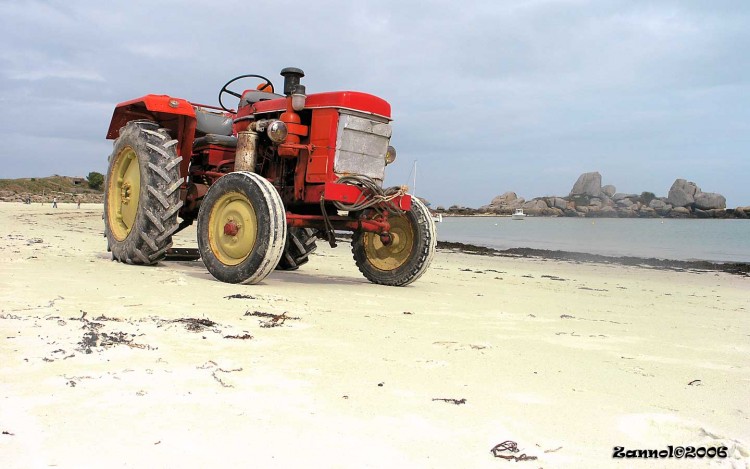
(361, 144)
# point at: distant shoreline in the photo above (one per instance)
(496, 215)
(736, 268)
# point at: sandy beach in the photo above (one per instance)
(111, 365)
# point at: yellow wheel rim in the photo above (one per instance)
(123, 193)
(232, 228)
(394, 255)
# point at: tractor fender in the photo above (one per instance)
(175, 114)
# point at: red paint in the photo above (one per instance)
(346, 193)
(175, 114)
(338, 222)
(231, 228)
(311, 139)
(337, 99)
(151, 104)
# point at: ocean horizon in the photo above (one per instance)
(723, 240)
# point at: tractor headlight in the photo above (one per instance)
(298, 98)
(390, 155)
(277, 131)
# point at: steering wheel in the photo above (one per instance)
(224, 88)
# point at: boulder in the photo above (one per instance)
(559, 202)
(657, 204)
(583, 209)
(625, 203)
(682, 193)
(679, 212)
(595, 202)
(710, 200)
(588, 184)
(647, 212)
(602, 212)
(701, 213)
(621, 195)
(551, 212)
(629, 212)
(504, 199)
(535, 204)
(608, 212)
(505, 203)
(609, 189)
(664, 211)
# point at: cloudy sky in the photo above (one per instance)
(487, 96)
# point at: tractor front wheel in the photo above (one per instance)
(406, 257)
(142, 194)
(241, 228)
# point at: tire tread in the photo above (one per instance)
(156, 219)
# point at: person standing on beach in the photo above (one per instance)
(79, 202)
(54, 202)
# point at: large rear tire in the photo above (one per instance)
(241, 228)
(407, 257)
(142, 194)
(300, 243)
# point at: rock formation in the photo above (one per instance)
(609, 190)
(682, 193)
(589, 184)
(504, 204)
(589, 199)
(710, 200)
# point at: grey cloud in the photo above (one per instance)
(488, 96)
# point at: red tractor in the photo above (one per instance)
(263, 182)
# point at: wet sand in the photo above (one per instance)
(117, 365)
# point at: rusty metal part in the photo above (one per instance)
(247, 151)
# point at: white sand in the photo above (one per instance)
(567, 368)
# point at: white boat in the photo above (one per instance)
(518, 214)
(437, 217)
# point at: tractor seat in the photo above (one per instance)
(254, 96)
(214, 139)
(212, 123)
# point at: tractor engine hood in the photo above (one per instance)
(352, 100)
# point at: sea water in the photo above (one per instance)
(676, 239)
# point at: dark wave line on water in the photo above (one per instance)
(737, 268)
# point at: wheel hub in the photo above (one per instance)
(123, 192)
(391, 250)
(231, 228)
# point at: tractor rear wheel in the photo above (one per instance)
(241, 228)
(142, 194)
(408, 255)
(300, 243)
